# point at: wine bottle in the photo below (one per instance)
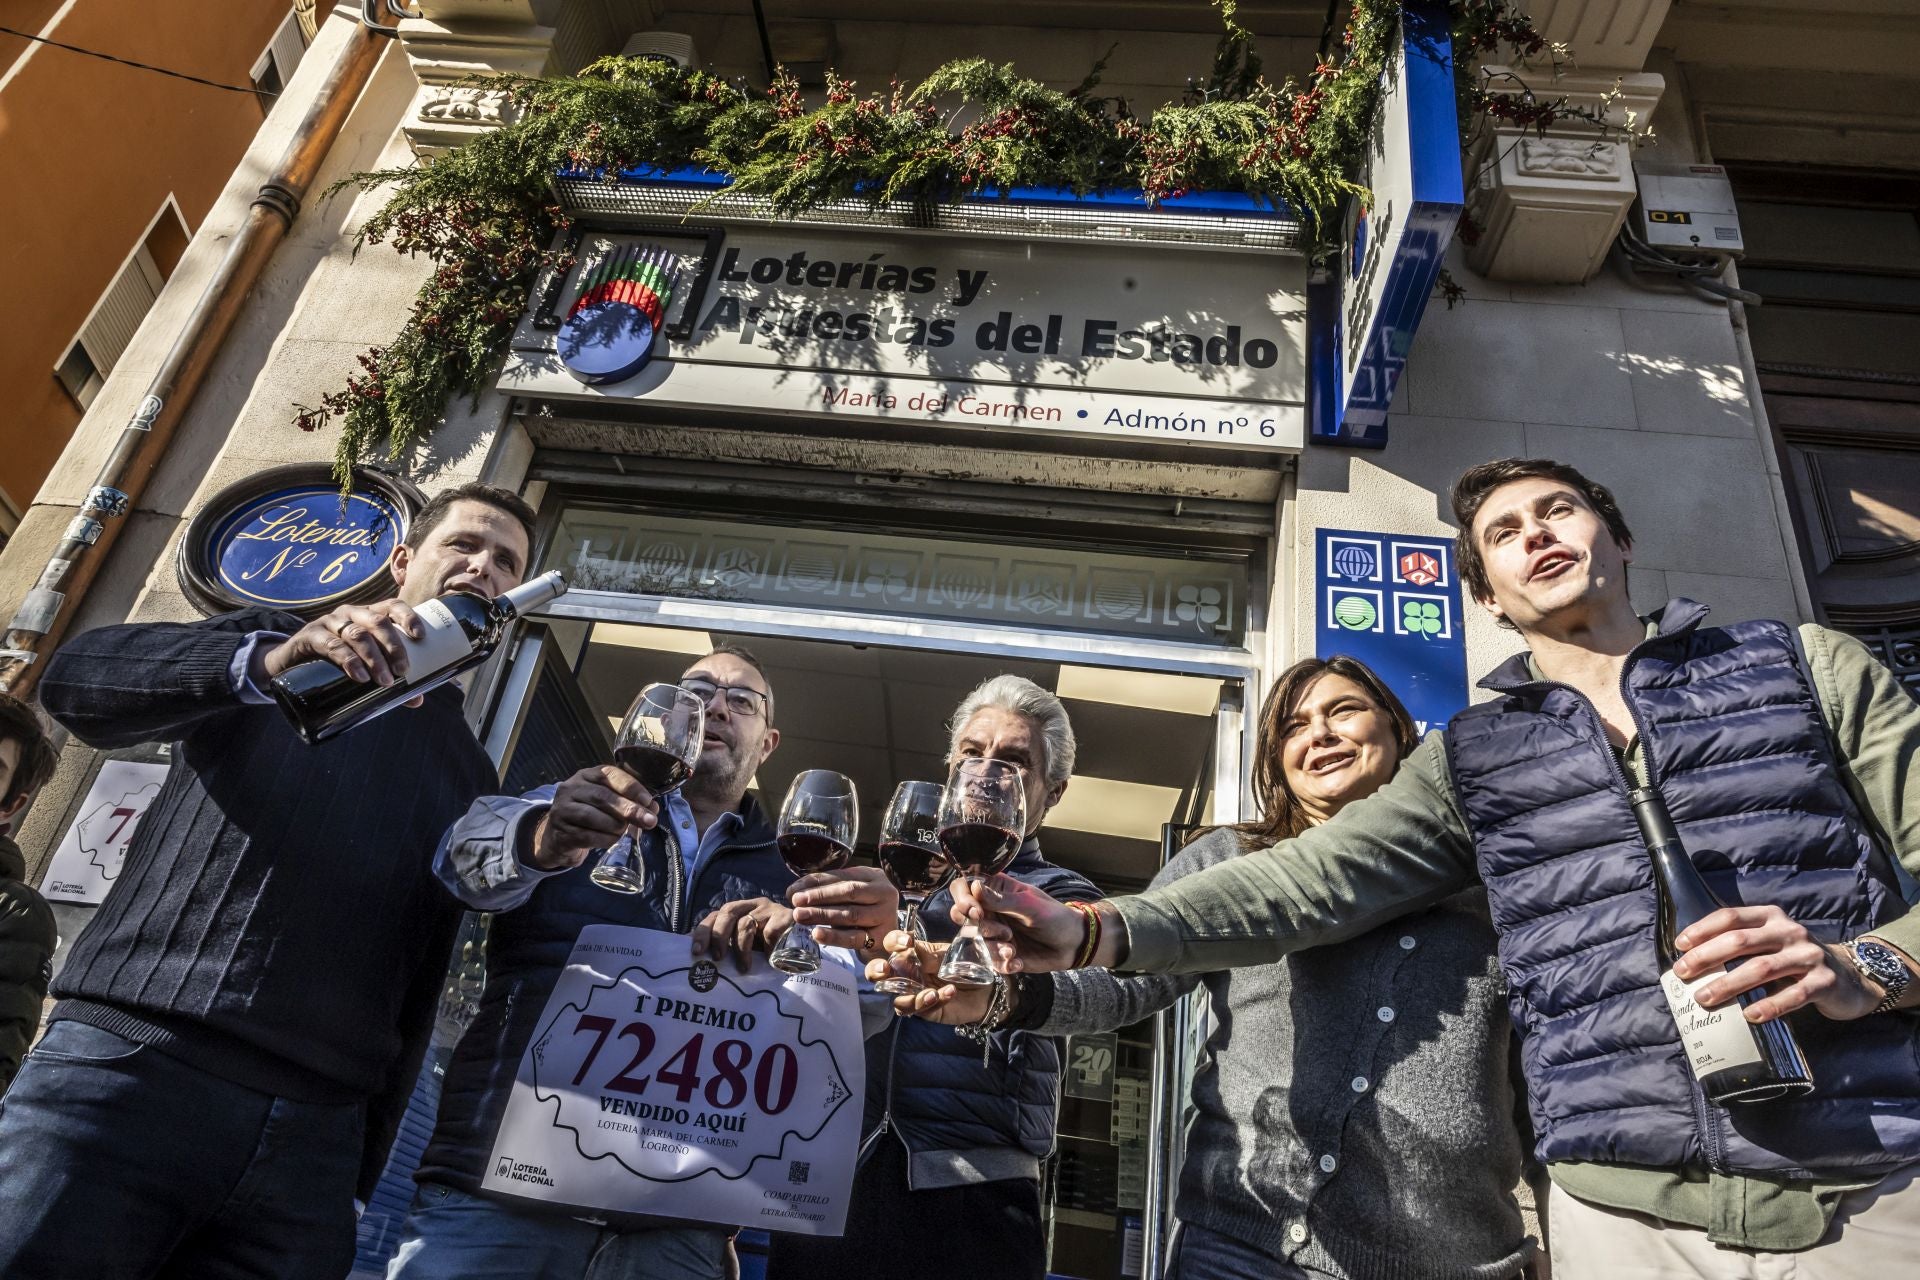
(1734, 1060)
(461, 629)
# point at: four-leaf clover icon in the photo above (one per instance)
(1421, 617)
(1198, 605)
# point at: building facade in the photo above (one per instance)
(886, 522)
(107, 171)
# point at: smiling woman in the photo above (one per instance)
(1340, 732)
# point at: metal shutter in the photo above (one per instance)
(120, 310)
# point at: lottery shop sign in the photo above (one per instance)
(660, 1085)
(1393, 601)
(1179, 348)
(286, 538)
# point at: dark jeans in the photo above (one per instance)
(1200, 1254)
(985, 1230)
(118, 1162)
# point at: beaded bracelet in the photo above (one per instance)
(1090, 946)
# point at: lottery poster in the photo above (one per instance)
(660, 1085)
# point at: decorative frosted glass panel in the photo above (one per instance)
(1167, 598)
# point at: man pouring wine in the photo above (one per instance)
(240, 1023)
(1629, 776)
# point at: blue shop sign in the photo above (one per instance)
(302, 545)
(289, 540)
(1393, 601)
(1362, 316)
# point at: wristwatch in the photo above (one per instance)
(1884, 966)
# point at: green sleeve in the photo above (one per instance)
(1875, 724)
(1401, 849)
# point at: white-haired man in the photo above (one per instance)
(954, 1140)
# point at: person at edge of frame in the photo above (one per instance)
(240, 1024)
(1786, 756)
(1290, 1171)
(529, 860)
(28, 934)
(953, 1142)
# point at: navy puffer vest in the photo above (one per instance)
(1734, 739)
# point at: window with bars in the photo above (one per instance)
(1899, 648)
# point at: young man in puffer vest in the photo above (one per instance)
(1790, 760)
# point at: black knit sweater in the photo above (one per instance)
(276, 921)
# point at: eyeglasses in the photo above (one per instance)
(741, 700)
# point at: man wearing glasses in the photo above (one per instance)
(527, 859)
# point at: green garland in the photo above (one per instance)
(484, 213)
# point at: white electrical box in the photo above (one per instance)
(1688, 209)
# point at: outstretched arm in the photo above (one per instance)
(1401, 849)
(156, 681)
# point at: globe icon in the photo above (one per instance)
(1355, 613)
(1354, 561)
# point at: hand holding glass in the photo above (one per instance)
(983, 816)
(911, 856)
(818, 823)
(658, 743)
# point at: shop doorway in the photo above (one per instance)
(1150, 746)
(872, 634)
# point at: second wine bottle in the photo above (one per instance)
(1734, 1060)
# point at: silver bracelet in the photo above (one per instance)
(981, 1032)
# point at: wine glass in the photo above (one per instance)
(911, 856)
(658, 743)
(818, 822)
(982, 817)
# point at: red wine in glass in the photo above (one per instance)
(909, 852)
(982, 814)
(806, 852)
(818, 824)
(658, 771)
(912, 869)
(658, 743)
(981, 848)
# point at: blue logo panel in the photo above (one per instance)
(1361, 320)
(300, 546)
(1393, 602)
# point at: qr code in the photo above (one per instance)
(796, 1171)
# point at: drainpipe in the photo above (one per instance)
(47, 609)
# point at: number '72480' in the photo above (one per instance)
(773, 1077)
